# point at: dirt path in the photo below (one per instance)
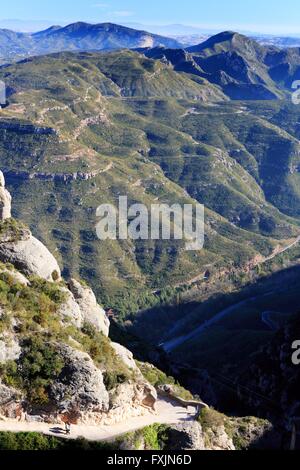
(167, 413)
(282, 250)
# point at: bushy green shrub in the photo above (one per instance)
(154, 437)
(37, 367)
(211, 419)
(101, 351)
(35, 441)
(156, 377)
(12, 230)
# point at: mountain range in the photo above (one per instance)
(243, 68)
(213, 123)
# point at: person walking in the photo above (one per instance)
(68, 427)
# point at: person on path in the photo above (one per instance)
(68, 428)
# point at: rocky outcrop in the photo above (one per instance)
(20, 248)
(79, 387)
(126, 356)
(10, 349)
(186, 436)
(191, 436)
(69, 310)
(90, 309)
(253, 433)
(31, 257)
(10, 402)
(106, 390)
(5, 200)
(63, 177)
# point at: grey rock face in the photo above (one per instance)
(10, 402)
(70, 311)
(186, 436)
(132, 393)
(9, 348)
(126, 356)
(7, 394)
(90, 309)
(31, 257)
(80, 385)
(5, 200)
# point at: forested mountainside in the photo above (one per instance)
(213, 124)
(94, 126)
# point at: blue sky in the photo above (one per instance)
(267, 16)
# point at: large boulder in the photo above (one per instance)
(138, 393)
(5, 200)
(90, 309)
(191, 436)
(31, 257)
(69, 311)
(80, 384)
(186, 436)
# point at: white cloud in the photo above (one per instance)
(100, 5)
(123, 13)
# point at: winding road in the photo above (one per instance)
(167, 413)
(169, 346)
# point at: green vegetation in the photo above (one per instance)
(12, 230)
(154, 437)
(238, 429)
(211, 419)
(156, 377)
(39, 330)
(38, 366)
(35, 441)
(99, 348)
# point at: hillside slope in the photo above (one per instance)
(243, 68)
(82, 129)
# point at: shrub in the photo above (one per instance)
(101, 351)
(211, 419)
(35, 441)
(38, 366)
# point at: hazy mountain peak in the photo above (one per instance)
(225, 38)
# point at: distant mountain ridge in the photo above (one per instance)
(243, 68)
(77, 37)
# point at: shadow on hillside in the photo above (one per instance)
(156, 325)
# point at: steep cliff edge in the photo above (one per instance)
(56, 360)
